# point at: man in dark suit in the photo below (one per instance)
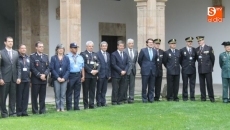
(206, 60)
(131, 73)
(120, 66)
(147, 60)
(91, 65)
(171, 61)
(158, 78)
(188, 60)
(10, 73)
(39, 63)
(104, 74)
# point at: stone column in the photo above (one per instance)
(141, 26)
(23, 24)
(70, 22)
(151, 19)
(160, 9)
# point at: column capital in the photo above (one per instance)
(162, 0)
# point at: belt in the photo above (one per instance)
(75, 72)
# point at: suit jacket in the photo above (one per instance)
(160, 55)
(188, 64)
(10, 68)
(172, 62)
(90, 63)
(224, 61)
(146, 64)
(132, 66)
(105, 70)
(206, 59)
(118, 64)
(39, 65)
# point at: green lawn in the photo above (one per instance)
(138, 116)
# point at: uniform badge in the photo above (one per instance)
(169, 54)
(184, 53)
(86, 55)
(95, 57)
(28, 60)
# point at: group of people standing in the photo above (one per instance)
(92, 70)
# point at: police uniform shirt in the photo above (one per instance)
(76, 62)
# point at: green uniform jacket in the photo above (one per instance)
(224, 61)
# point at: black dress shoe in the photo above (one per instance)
(119, 103)
(103, 105)
(212, 100)
(176, 100)
(13, 115)
(203, 100)
(130, 101)
(76, 109)
(25, 115)
(19, 115)
(192, 99)
(185, 99)
(98, 105)
(91, 107)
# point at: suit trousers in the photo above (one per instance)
(158, 81)
(192, 80)
(74, 85)
(8, 88)
(101, 91)
(119, 88)
(22, 98)
(148, 81)
(38, 90)
(89, 92)
(60, 94)
(226, 88)
(130, 86)
(172, 87)
(208, 78)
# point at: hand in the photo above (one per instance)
(109, 78)
(2, 82)
(62, 80)
(123, 72)
(42, 77)
(94, 72)
(59, 79)
(82, 79)
(18, 81)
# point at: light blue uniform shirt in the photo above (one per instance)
(76, 62)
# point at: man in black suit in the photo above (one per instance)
(120, 65)
(10, 75)
(39, 63)
(158, 78)
(188, 60)
(91, 66)
(131, 73)
(206, 60)
(104, 74)
(147, 60)
(171, 61)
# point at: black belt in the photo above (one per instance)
(75, 72)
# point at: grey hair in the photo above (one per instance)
(120, 42)
(103, 42)
(59, 46)
(130, 40)
(89, 42)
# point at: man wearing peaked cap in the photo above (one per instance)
(188, 59)
(206, 60)
(224, 61)
(158, 78)
(171, 61)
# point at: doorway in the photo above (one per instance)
(112, 42)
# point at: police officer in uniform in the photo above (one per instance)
(171, 61)
(188, 60)
(91, 70)
(158, 78)
(76, 77)
(39, 63)
(206, 61)
(224, 61)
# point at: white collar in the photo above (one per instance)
(9, 49)
(103, 52)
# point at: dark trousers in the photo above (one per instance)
(148, 81)
(208, 78)
(172, 86)
(74, 85)
(38, 90)
(89, 92)
(8, 88)
(130, 87)
(158, 81)
(192, 80)
(101, 91)
(226, 88)
(119, 88)
(22, 98)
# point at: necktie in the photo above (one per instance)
(131, 53)
(121, 55)
(158, 52)
(91, 55)
(150, 54)
(10, 55)
(189, 50)
(201, 48)
(105, 57)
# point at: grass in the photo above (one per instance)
(138, 116)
